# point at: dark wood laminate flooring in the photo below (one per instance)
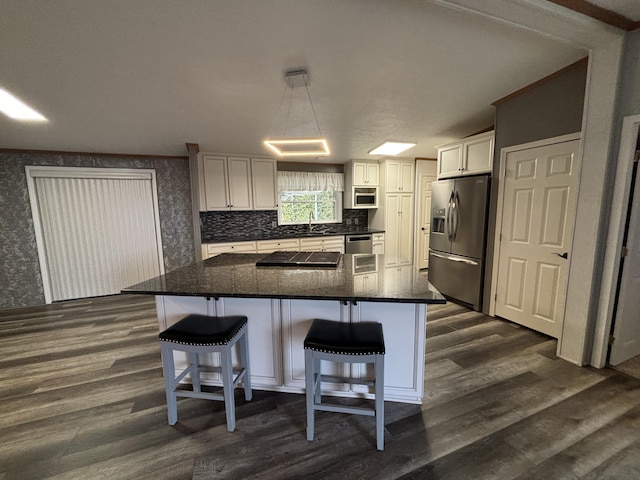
(82, 397)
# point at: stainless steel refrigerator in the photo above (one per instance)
(458, 236)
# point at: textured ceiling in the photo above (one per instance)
(145, 77)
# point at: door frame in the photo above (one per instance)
(500, 202)
(422, 168)
(620, 204)
(54, 171)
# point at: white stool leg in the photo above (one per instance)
(379, 392)
(317, 387)
(309, 375)
(169, 370)
(194, 360)
(227, 386)
(244, 361)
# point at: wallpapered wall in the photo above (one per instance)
(20, 280)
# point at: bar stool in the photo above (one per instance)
(199, 334)
(346, 343)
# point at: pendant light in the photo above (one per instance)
(290, 146)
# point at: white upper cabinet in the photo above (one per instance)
(237, 183)
(470, 156)
(225, 183)
(399, 176)
(365, 174)
(264, 175)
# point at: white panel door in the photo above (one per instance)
(424, 220)
(626, 330)
(536, 230)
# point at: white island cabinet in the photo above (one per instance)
(276, 335)
(281, 303)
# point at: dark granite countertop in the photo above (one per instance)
(282, 235)
(236, 275)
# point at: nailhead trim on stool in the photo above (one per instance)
(342, 342)
(196, 334)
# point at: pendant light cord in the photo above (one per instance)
(313, 110)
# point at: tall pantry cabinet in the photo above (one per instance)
(394, 214)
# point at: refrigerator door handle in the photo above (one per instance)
(454, 259)
(449, 220)
(456, 215)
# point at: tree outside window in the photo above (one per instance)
(299, 207)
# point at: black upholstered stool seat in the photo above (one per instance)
(364, 338)
(193, 336)
(344, 342)
(201, 330)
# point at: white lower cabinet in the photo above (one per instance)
(322, 244)
(265, 347)
(277, 328)
(377, 244)
(297, 316)
(404, 359)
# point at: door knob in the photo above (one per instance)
(564, 255)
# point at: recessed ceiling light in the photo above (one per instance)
(392, 148)
(15, 108)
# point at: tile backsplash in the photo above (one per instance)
(252, 225)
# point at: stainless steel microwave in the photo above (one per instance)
(365, 197)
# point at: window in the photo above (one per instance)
(299, 207)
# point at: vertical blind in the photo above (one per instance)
(98, 230)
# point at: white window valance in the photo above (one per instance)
(310, 182)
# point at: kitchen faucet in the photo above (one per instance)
(310, 218)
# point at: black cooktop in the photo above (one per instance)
(300, 259)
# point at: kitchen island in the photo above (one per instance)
(281, 302)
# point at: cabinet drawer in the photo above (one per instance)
(238, 247)
(268, 246)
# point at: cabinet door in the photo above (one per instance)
(399, 176)
(449, 161)
(403, 327)
(265, 349)
(373, 174)
(405, 229)
(393, 174)
(359, 174)
(297, 316)
(263, 182)
(478, 156)
(377, 247)
(239, 175)
(311, 245)
(215, 183)
(392, 223)
(406, 177)
(333, 244)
